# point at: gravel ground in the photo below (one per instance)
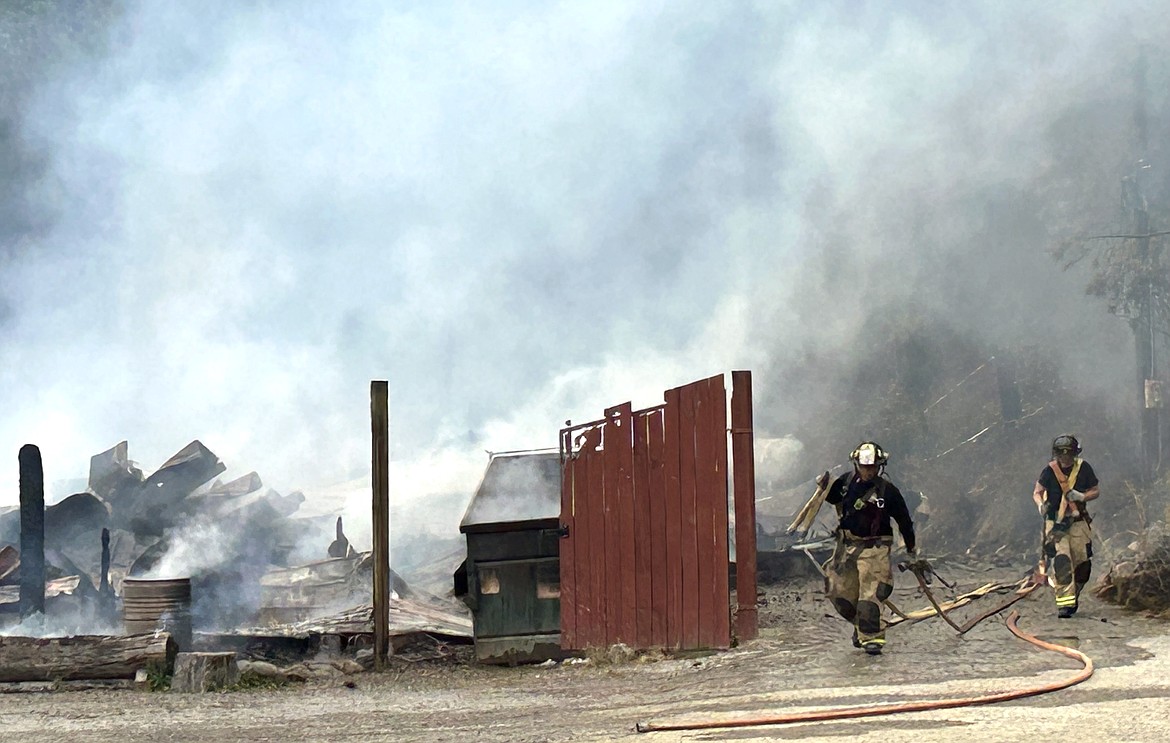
(803, 660)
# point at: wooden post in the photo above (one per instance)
(32, 532)
(380, 429)
(743, 460)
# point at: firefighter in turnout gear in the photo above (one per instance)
(858, 577)
(1060, 494)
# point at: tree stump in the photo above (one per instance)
(200, 672)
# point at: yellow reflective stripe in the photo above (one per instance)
(1072, 476)
(1066, 600)
(874, 641)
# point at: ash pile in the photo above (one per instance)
(252, 559)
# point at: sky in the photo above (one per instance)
(521, 213)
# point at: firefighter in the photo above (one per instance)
(858, 578)
(1060, 494)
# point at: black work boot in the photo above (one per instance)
(856, 642)
(1065, 612)
(873, 648)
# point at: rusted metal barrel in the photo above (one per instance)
(149, 605)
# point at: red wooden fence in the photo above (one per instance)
(644, 499)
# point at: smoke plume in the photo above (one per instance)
(519, 214)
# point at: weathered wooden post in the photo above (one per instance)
(380, 429)
(32, 532)
(744, 486)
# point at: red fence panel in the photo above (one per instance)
(720, 601)
(673, 503)
(623, 450)
(612, 527)
(643, 544)
(659, 608)
(708, 496)
(688, 487)
(645, 501)
(594, 505)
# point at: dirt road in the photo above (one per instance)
(803, 660)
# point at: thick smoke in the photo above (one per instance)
(519, 214)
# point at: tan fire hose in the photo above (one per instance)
(846, 713)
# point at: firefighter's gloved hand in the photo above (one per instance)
(1075, 496)
(920, 564)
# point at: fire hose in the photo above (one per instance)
(922, 572)
(846, 713)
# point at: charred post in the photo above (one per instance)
(105, 597)
(32, 532)
(104, 586)
(340, 547)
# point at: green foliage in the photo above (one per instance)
(1129, 274)
(157, 677)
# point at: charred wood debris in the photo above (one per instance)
(1138, 576)
(252, 598)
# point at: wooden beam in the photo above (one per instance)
(380, 430)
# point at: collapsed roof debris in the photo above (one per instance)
(239, 543)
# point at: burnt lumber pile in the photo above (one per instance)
(252, 561)
(179, 519)
(322, 610)
(1140, 579)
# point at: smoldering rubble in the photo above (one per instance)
(258, 566)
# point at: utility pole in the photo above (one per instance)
(1142, 323)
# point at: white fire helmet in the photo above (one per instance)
(869, 453)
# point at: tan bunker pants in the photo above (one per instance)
(1069, 551)
(857, 581)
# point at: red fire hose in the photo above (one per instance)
(846, 713)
